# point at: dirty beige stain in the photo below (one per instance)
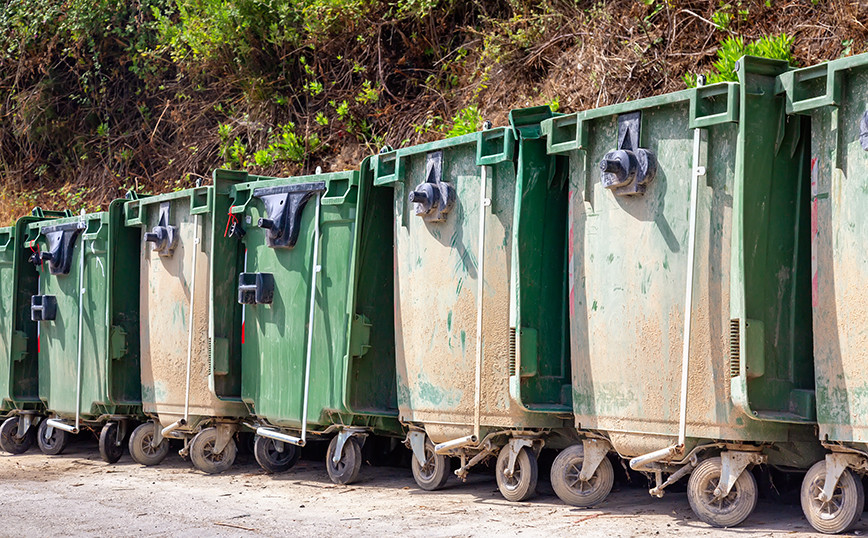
(165, 311)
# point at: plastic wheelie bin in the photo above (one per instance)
(689, 292)
(318, 348)
(87, 311)
(191, 360)
(20, 405)
(480, 315)
(833, 99)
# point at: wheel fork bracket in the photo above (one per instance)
(158, 435)
(594, 452)
(732, 465)
(343, 437)
(417, 445)
(24, 423)
(224, 435)
(836, 464)
(515, 446)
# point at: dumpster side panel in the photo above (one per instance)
(8, 250)
(58, 355)
(124, 366)
(371, 385)
(838, 203)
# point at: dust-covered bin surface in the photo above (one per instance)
(750, 374)
(832, 97)
(19, 381)
(175, 230)
(439, 191)
(87, 310)
(351, 341)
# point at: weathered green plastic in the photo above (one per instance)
(750, 377)
(833, 97)
(19, 381)
(166, 283)
(110, 382)
(525, 362)
(352, 370)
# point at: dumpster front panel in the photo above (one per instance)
(436, 287)
(839, 164)
(628, 269)
(165, 295)
(59, 337)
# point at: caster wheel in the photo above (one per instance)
(566, 483)
(717, 511)
(203, 456)
(55, 443)
(434, 473)
(273, 460)
(346, 470)
(9, 439)
(522, 484)
(140, 445)
(839, 513)
(110, 447)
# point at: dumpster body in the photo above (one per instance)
(480, 316)
(87, 308)
(323, 363)
(20, 406)
(729, 274)
(190, 359)
(833, 97)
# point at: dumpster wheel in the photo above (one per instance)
(9, 439)
(110, 447)
(522, 484)
(273, 460)
(141, 449)
(53, 444)
(720, 511)
(346, 470)
(839, 513)
(570, 488)
(203, 456)
(435, 472)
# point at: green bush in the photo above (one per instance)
(732, 48)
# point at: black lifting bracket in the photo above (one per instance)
(628, 170)
(284, 206)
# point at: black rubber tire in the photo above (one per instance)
(434, 474)
(732, 509)
(522, 484)
(203, 457)
(9, 440)
(109, 448)
(565, 479)
(270, 459)
(843, 511)
(346, 471)
(53, 445)
(140, 445)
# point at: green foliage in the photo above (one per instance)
(466, 121)
(732, 48)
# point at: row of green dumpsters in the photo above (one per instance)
(676, 280)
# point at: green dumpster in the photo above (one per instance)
(480, 316)
(689, 222)
(20, 405)
(190, 363)
(87, 310)
(318, 351)
(833, 99)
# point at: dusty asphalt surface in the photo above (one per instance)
(77, 494)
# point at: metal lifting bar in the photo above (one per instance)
(484, 202)
(313, 278)
(639, 462)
